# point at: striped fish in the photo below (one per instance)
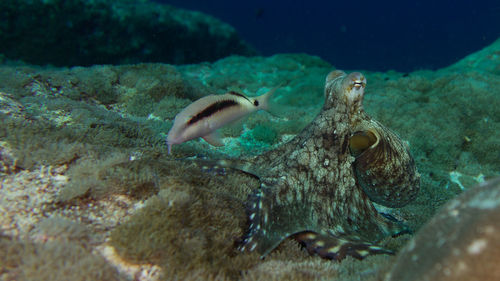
(203, 117)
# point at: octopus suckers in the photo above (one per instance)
(363, 252)
(309, 236)
(334, 249)
(319, 243)
(477, 246)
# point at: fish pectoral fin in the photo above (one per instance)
(270, 222)
(336, 248)
(214, 139)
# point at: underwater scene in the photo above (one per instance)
(219, 140)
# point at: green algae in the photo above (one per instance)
(265, 134)
(53, 260)
(260, 138)
(190, 226)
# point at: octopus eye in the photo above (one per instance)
(256, 102)
(354, 87)
(358, 84)
(358, 80)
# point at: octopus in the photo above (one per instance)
(321, 186)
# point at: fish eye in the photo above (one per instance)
(256, 102)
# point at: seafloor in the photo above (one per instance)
(88, 191)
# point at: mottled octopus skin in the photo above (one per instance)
(310, 187)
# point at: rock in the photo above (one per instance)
(486, 60)
(461, 242)
(68, 33)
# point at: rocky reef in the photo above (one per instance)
(85, 175)
(460, 242)
(69, 33)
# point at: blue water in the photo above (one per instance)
(370, 35)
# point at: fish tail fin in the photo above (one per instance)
(264, 99)
(335, 248)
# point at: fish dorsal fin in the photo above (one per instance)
(214, 138)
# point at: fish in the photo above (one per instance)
(203, 117)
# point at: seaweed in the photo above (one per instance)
(114, 173)
(53, 260)
(57, 227)
(191, 225)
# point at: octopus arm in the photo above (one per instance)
(336, 248)
(272, 221)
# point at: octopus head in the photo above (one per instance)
(345, 88)
(333, 80)
(353, 88)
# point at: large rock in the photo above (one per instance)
(485, 60)
(81, 32)
(461, 242)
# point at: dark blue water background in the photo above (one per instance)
(369, 35)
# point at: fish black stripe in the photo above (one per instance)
(212, 109)
(238, 94)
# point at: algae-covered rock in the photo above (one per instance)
(54, 260)
(68, 33)
(460, 242)
(486, 60)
